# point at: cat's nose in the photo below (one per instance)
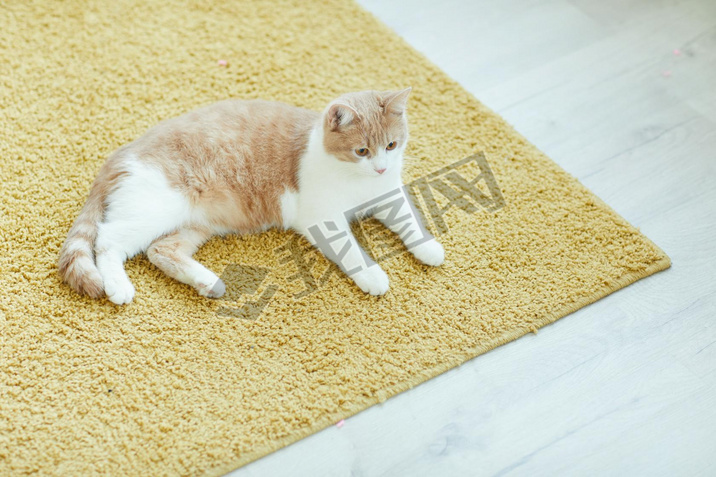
(380, 171)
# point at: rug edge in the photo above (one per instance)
(625, 280)
(622, 282)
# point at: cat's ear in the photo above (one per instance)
(339, 115)
(395, 101)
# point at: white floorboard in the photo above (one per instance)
(626, 386)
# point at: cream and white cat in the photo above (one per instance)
(241, 167)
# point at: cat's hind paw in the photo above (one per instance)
(119, 290)
(216, 290)
(372, 280)
(430, 253)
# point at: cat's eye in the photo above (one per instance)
(362, 152)
(392, 145)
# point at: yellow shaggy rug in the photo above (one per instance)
(178, 384)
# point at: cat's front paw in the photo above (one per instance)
(430, 253)
(372, 280)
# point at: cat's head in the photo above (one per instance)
(368, 129)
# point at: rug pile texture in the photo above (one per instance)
(178, 384)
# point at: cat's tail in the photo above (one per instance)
(77, 263)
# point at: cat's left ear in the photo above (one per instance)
(340, 114)
(395, 101)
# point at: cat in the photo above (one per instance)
(242, 166)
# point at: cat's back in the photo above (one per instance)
(255, 116)
(233, 160)
(241, 119)
(258, 129)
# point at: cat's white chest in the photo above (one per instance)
(330, 189)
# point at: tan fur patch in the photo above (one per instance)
(233, 159)
(172, 252)
(378, 120)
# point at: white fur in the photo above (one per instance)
(329, 188)
(143, 208)
(144, 189)
(289, 207)
(372, 280)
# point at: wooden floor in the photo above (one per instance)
(622, 94)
